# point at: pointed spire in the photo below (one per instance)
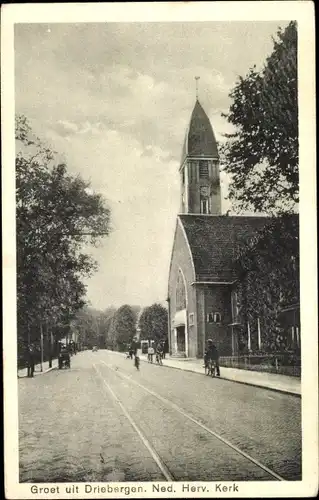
(199, 139)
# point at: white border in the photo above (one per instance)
(303, 12)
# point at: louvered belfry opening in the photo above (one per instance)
(203, 169)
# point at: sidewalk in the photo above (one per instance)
(37, 369)
(273, 381)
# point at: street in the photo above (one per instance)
(103, 420)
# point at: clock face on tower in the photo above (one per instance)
(204, 191)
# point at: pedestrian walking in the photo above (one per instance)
(150, 353)
(135, 348)
(159, 353)
(31, 360)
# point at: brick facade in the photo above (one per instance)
(201, 300)
(218, 300)
(205, 245)
(182, 262)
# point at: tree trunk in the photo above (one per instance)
(41, 345)
(51, 347)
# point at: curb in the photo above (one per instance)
(282, 391)
(274, 389)
(40, 373)
(49, 370)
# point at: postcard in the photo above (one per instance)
(159, 250)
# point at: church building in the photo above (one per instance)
(202, 299)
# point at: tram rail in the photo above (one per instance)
(168, 475)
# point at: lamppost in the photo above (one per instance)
(168, 300)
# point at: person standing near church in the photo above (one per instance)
(31, 360)
(150, 353)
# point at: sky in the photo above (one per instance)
(114, 100)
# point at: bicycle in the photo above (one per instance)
(159, 359)
(210, 368)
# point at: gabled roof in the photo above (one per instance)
(200, 139)
(214, 241)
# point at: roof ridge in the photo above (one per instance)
(224, 216)
(213, 240)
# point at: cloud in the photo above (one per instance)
(65, 128)
(114, 99)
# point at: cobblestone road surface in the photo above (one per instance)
(105, 421)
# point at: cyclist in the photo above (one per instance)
(134, 350)
(211, 353)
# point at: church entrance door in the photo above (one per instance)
(180, 338)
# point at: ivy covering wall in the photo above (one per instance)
(268, 271)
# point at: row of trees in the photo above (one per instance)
(56, 215)
(115, 328)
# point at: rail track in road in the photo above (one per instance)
(213, 443)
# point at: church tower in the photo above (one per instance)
(199, 169)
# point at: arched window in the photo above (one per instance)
(180, 293)
(217, 317)
(183, 176)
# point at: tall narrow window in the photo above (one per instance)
(235, 310)
(217, 317)
(204, 206)
(190, 172)
(180, 293)
(215, 170)
(297, 336)
(203, 170)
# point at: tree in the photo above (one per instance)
(123, 327)
(56, 215)
(268, 271)
(88, 326)
(153, 322)
(104, 319)
(261, 155)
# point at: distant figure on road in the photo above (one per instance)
(150, 353)
(134, 346)
(31, 360)
(159, 352)
(135, 349)
(212, 354)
